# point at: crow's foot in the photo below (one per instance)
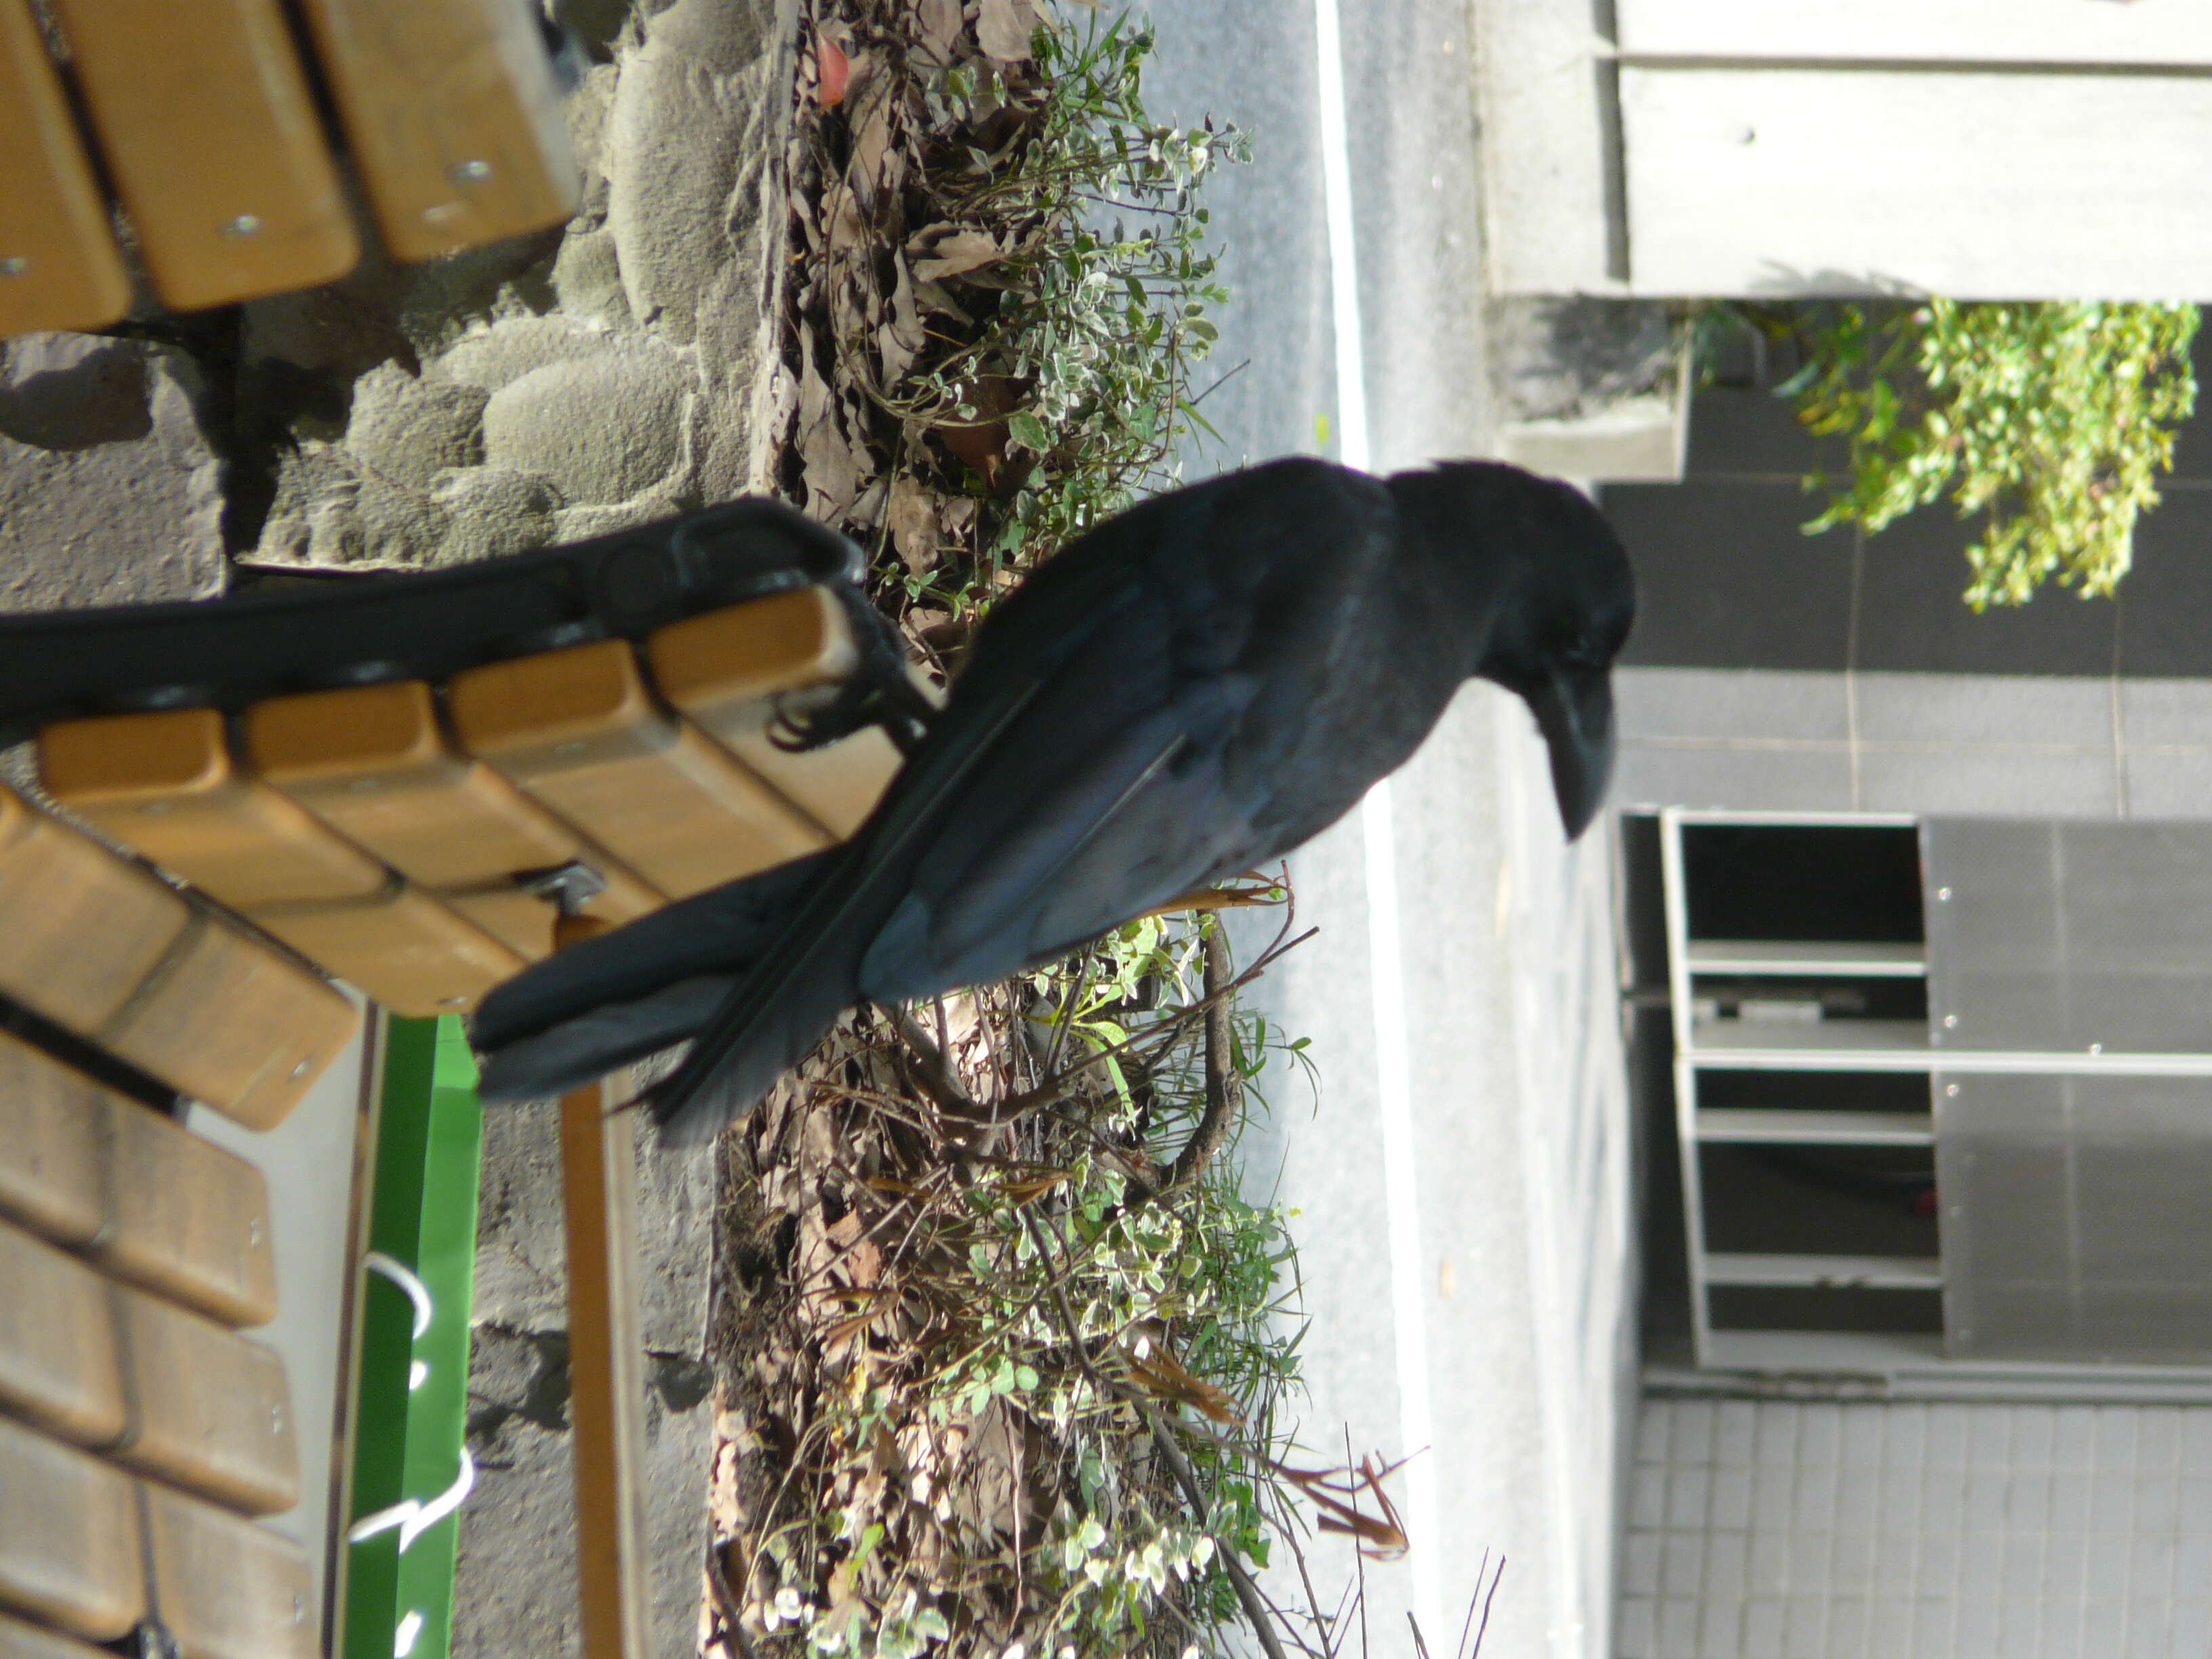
(879, 692)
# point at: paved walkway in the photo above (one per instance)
(1508, 1296)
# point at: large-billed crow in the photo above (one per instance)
(1191, 690)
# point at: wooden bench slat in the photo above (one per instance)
(229, 1590)
(578, 730)
(58, 1365)
(84, 926)
(59, 266)
(373, 762)
(106, 951)
(20, 1641)
(403, 948)
(164, 785)
(730, 670)
(211, 138)
(103, 1365)
(143, 1197)
(233, 1023)
(214, 1410)
(452, 118)
(69, 1537)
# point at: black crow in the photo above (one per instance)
(1189, 691)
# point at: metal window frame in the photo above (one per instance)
(1898, 1366)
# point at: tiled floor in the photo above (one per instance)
(1812, 1530)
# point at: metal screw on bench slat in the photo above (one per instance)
(470, 173)
(245, 225)
(13, 265)
(300, 1070)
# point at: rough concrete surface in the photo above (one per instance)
(109, 490)
(610, 377)
(515, 1581)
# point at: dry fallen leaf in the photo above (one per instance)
(914, 526)
(899, 342)
(832, 72)
(871, 118)
(1003, 28)
(1164, 1375)
(832, 472)
(840, 212)
(961, 251)
(940, 22)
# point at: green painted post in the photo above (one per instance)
(413, 1389)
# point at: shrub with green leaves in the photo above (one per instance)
(1101, 309)
(2048, 422)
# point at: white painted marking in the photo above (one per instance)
(1393, 1064)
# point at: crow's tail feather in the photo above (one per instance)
(591, 1008)
(778, 1009)
(585, 1048)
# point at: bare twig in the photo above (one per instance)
(1256, 1613)
(1481, 1572)
(1159, 1035)
(1483, 1629)
(932, 1071)
(1224, 1084)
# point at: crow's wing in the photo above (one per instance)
(1087, 766)
(779, 1007)
(1149, 760)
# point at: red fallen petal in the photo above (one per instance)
(833, 70)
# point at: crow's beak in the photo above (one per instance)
(1574, 711)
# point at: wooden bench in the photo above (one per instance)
(420, 837)
(202, 121)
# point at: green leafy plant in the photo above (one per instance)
(2048, 422)
(1100, 308)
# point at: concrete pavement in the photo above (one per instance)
(1515, 1276)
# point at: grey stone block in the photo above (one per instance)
(521, 1274)
(515, 1586)
(515, 1574)
(2167, 591)
(515, 1577)
(1912, 618)
(522, 1256)
(1727, 578)
(1742, 432)
(623, 356)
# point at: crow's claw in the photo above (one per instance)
(877, 693)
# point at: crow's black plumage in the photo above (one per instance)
(1191, 690)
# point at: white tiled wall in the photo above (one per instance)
(1985, 745)
(1812, 1530)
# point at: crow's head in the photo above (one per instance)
(1561, 599)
